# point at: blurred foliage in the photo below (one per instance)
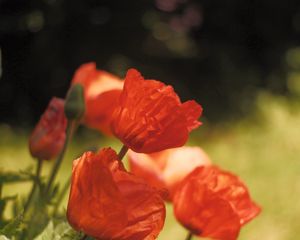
(62, 231)
(263, 149)
(220, 53)
(11, 228)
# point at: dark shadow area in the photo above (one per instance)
(217, 52)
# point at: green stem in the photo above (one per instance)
(34, 186)
(61, 196)
(69, 132)
(189, 236)
(122, 152)
(32, 192)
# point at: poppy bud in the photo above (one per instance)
(48, 137)
(74, 106)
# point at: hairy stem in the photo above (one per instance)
(61, 196)
(34, 186)
(189, 236)
(69, 133)
(122, 152)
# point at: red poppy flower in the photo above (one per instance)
(150, 116)
(166, 169)
(106, 202)
(101, 90)
(213, 203)
(48, 137)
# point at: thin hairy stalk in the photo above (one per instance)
(61, 196)
(34, 186)
(122, 152)
(69, 133)
(189, 236)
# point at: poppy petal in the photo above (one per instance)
(150, 116)
(114, 204)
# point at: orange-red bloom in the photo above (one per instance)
(166, 169)
(48, 137)
(150, 116)
(106, 202)
(101, 90)
(213, 203)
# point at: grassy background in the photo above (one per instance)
(264, 150)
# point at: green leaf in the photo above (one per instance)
(38, 220)
(62, 231)
(14, 177)
(48, 233)
(13, 227)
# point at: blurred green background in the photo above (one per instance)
(239, 59)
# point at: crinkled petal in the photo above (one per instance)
(192, 112)
(231, 188)
(95, 203)
(113, 204)
(145, 209)
(150, 116)
(204, 213)
(208, 202)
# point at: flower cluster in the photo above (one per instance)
(108, 202)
